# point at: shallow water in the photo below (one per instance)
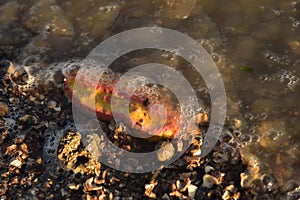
(255, 44)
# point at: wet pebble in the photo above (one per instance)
(192, 189)
(208, 169)
(16, 163)
(179, 9)
(58, 77)
(57, 109)
(209, 181)
(3, 197)
(47, 16)
(90, 21)
(9, 12)
(72, 186)
(51, 104)
(165, 152)
(295, 46)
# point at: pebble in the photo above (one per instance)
(89, 21)
(209, 181)
(166, 152)
(295, 46)
(231, 188)
(9, 12)
(57, 109)
(208, 169)
(58, 77)
(48, 16)
(4, 110)
(4, 197)
(179, 9)
(51, 104)
(192, 189)
(16, 163)
(73, 186)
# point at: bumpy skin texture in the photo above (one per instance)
(139, 105)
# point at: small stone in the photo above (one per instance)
(106, 14)
(41, 97)
(57, 109)
(4, 110)
(149, 188)
(3, 197)
(52, 104)
(208, 168)
(295, 46)
(197, 152)
(179, 9)
(39, 161)
(231, 188)
(73, 186)
(16, 163)
(166, 152)
(192, 189)
(47, 16)
(226, 195)
(237, 123)
(11, 68)
(178, 184)
(58, 77)
(209, 181)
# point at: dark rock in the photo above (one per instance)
(58, 77)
